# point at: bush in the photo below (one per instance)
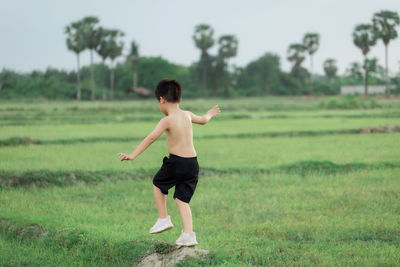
(327, 87)
(350, 102)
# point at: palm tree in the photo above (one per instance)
(103, 52)
(92, 41)
(115, 47)
(134, 58)
(330, 67)
(311, 42)
(296, 55)
(203, 39)
(76, 43)
(228, 45)
(384, 24)
(364, 38)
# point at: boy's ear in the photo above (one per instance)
(162, 100)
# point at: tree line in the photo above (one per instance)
(365, 36)
(211, 75)
(87, 34)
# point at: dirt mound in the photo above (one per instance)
(381, 129)
(173, 256)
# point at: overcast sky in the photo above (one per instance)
(32, 32)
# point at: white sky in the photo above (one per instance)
(32, 32)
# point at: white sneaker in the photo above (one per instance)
(161, 225)
(187, 239)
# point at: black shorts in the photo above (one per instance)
(179, 172)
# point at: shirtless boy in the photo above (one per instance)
(181, 168)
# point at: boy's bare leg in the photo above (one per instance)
(186, 215)
(161, 202)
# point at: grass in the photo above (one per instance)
(38, 245)
(214, 128)
(61, 113)
(242, 153)
(290, 219)
(266, 196)
(43, 178)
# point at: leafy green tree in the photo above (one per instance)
(354, 71)
(379, 72)
(76, 43)
(371, 66)
(311, 43)
(216, 73)
(153, 69)
(104, 52)
(364, 38)
(60, 84)
(384, 23)
(330, 67)
(289, 84)
(92, 38)
(264, 72)
(296, 55)
(134, 58)
(228, 45)
(203, 39)
(115, 47)
(50, 84)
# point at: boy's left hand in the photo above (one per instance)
(123, 157)
(214, 111)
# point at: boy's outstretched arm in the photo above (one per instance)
(148, 140)
(214, 111)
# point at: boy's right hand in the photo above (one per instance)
(214, 111)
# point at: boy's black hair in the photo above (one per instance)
(169, 89)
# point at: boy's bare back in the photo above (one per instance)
(179, 134)
(177, 126)
(179, 131)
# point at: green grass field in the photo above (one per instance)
(284, 181)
